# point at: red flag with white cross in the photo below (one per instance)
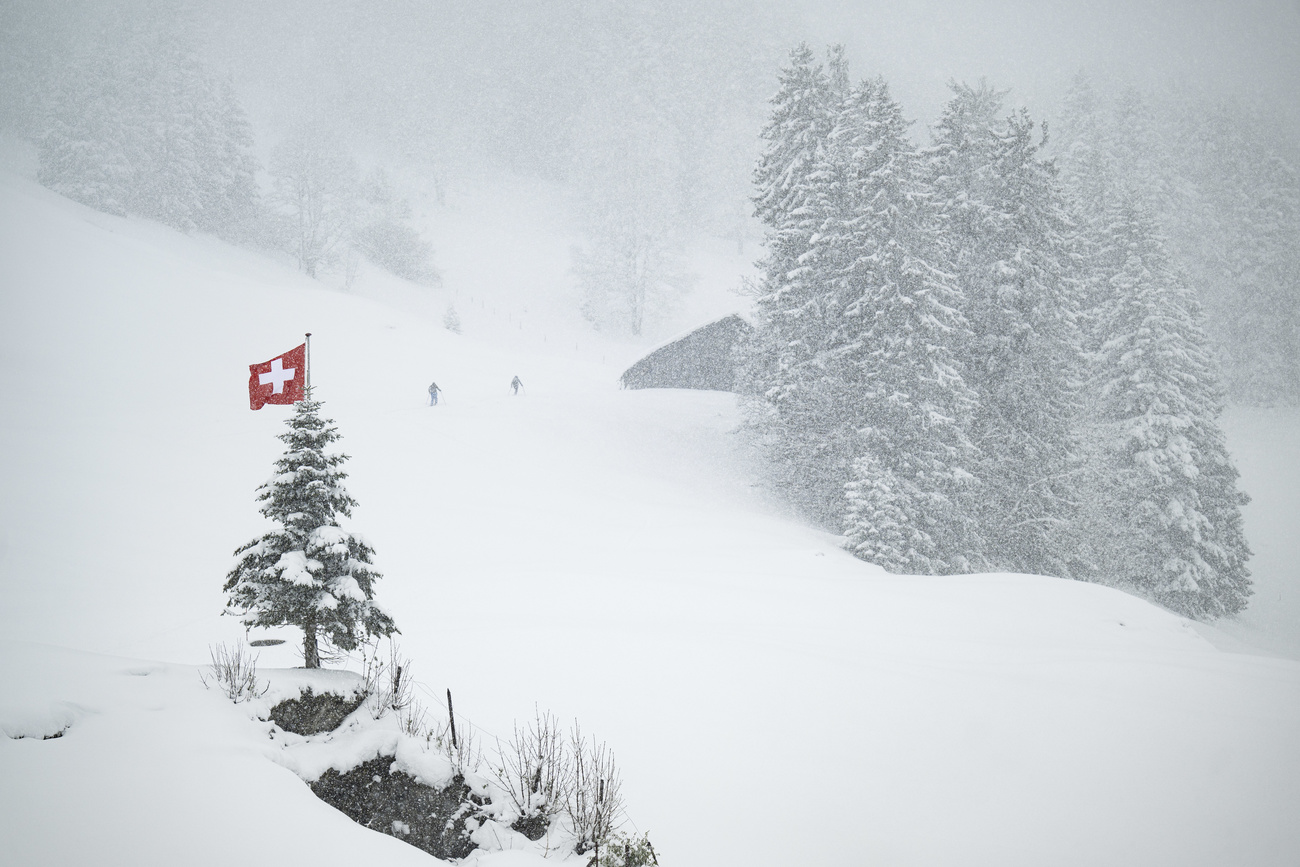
(281, 380)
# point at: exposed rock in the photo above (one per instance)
(39, 720)
(44, 737)
(311, 714)
(533, 827)
(373, 794)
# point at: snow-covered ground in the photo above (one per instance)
(601, 553)
(1266, 445)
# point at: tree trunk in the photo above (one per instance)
(310, 654)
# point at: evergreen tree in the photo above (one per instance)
(160, 75)
(228, 192)
(855, 363)
(803, 113)
(797, 410)
(1250, 267)
(309, 572)
(881, 526)
(1225, 200)
(140, 127)
(1009, 242)
(895, 351)
(786, 200)
(1169, 486)
(1089, 177)
(84, 151)
(1085, 158)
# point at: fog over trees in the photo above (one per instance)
(648, 114)
(1013, 263)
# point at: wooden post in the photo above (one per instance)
(600, 799)
(308, 377)
(451, 715)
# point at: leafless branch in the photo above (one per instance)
(595, 799)
(235, 670)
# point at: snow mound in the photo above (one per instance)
(45, 722)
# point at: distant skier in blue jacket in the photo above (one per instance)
(433, 393)
(515, 385)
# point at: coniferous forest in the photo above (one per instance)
(133, 120)
(972, 356)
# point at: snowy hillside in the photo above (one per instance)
(602, 553)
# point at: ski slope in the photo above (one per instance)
(602, 553)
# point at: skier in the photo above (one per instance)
(515, 385)
(433, 393)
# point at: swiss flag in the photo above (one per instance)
(280, 380)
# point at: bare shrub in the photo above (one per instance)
(535, 770)
(234, 669)
(413, 720)
(461, 749)
(595, 799)
(464, 752)
(388, 682)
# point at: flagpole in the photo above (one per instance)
(308, 365)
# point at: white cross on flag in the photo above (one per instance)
(280, 380)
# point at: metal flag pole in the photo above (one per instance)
(308, 365)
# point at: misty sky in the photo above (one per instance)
(581, 91)
(491, 53)
(484, 57)
(1251, 47)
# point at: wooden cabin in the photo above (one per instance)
(703, 359)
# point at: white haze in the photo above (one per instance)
(517, 114)
(513, 68)
(557, 89)
(1250, 49)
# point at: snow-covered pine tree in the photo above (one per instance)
(228, 191)
(1250, 262)
(1226, 200)
(1089, 175)
(895, 350)
(308, 572)
(140, 127)
(1175, 527)
(797, 415)
(1084, 147)
(803, 112)
(171, 95)
(1009, 243)
(880, 520)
